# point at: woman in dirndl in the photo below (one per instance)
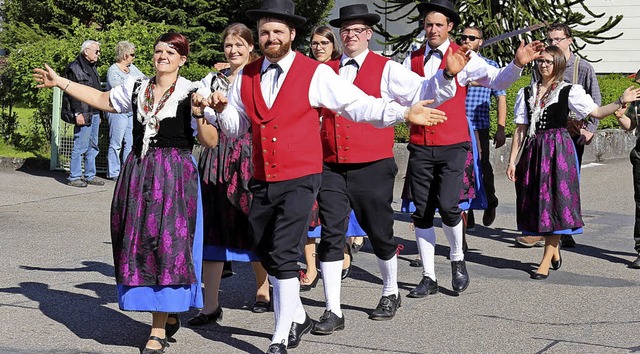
(547, 174)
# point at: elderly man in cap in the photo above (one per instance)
(278, 96)
(359, 167)
(437, 154)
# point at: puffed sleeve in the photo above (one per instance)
(520, 109)
(580, 102)
(120, 96)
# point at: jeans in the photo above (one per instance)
(120, 130)
(85, 141)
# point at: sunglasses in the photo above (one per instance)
(133, 55)
(464, 37)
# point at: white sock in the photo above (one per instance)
(332, 282)
(426, 239)
(389, 273)
(454, 235)
(286, 306)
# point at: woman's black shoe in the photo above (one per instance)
(227, 271)
(261, 307)
(555, 265)
(203, 318)
(307, 287)
(415, 263)
(538, 276)
(172, 328)
(355, 247)
(347, 271)
(163, 343)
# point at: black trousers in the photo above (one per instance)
(487, 169)
(279, 222)
(436, 180)
(634, 156)
(579, 150)
(367, 188)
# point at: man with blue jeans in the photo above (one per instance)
(85, 133)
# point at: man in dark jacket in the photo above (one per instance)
(87, 119)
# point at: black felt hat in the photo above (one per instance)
(443, 6)
(284, 9)
(355, 12)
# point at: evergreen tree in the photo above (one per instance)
(500, 16)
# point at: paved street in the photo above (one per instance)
(57, 292)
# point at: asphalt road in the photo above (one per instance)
(57, 292)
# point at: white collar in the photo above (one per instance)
(284, 63)
(358, 58)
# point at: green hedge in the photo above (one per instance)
(611, 87)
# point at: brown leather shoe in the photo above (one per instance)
(530, 241)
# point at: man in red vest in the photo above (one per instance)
(437, 154)
(359, 167)
(278, 96)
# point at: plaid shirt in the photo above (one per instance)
(479, 101)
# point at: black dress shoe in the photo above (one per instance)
(163, 343)
(171, 328)
(417, 263)
(386, 309)
(277, 348)
(329, 322)
(203, 318)
(555, 265)
(299, 329)
(355, 247)
(307, 287)
(427, 286)
(261, 307)
(347, 271)
(459, 276)
(567, 241)
(635, 264)
(538, 276)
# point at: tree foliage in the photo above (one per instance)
(500, 16)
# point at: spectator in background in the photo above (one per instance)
(85, 132)
(578, 72)
(478, 104)
(120, 124)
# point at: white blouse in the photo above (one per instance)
(579, 102)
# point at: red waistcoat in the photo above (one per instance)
(344, 141)
(286, 143)
(456, 128)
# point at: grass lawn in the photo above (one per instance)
(24, 120)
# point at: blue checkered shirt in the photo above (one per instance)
(479, 101)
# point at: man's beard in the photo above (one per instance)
(276, 53)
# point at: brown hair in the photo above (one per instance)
(559, 62)
(556, 26)
(176, 40)
(242, 31)
(327, 33)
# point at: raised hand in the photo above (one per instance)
(420, 114)
(218, 101)
(630, 94)
(457, 61)
(528, 53)
(46, 77)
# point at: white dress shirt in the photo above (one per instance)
(402, 85)
(579, 102)
(326, 90)
(476, 70)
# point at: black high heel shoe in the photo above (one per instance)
(307, 287)
(171, 328)
(347, 271)
(163, 343)
(204, 318)
(555, 265)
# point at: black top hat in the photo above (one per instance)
(355, 12)
(443, 6)
(284, 9)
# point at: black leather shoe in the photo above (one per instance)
(171, 328)
(277, 348)
(459, 276)
(261, 307)
(203, 318)
(635, 264)
(329, 322)
(163, 343)
(417, 263)
(489, 216)
(426, 286)
(297, 330)
(555, 265)
(567, 241)
(307, 287)
(347, 271)
(538, 276)
(386, 309)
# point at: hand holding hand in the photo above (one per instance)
(46, 77)
(198, 104)
(500, 138)
(457, 61)
(528, 53)
(420, 114)
(218, 101)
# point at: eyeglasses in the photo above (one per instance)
(464, 37)
(357, 31)
(544, 61)
(556, 40)
(322, 44)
